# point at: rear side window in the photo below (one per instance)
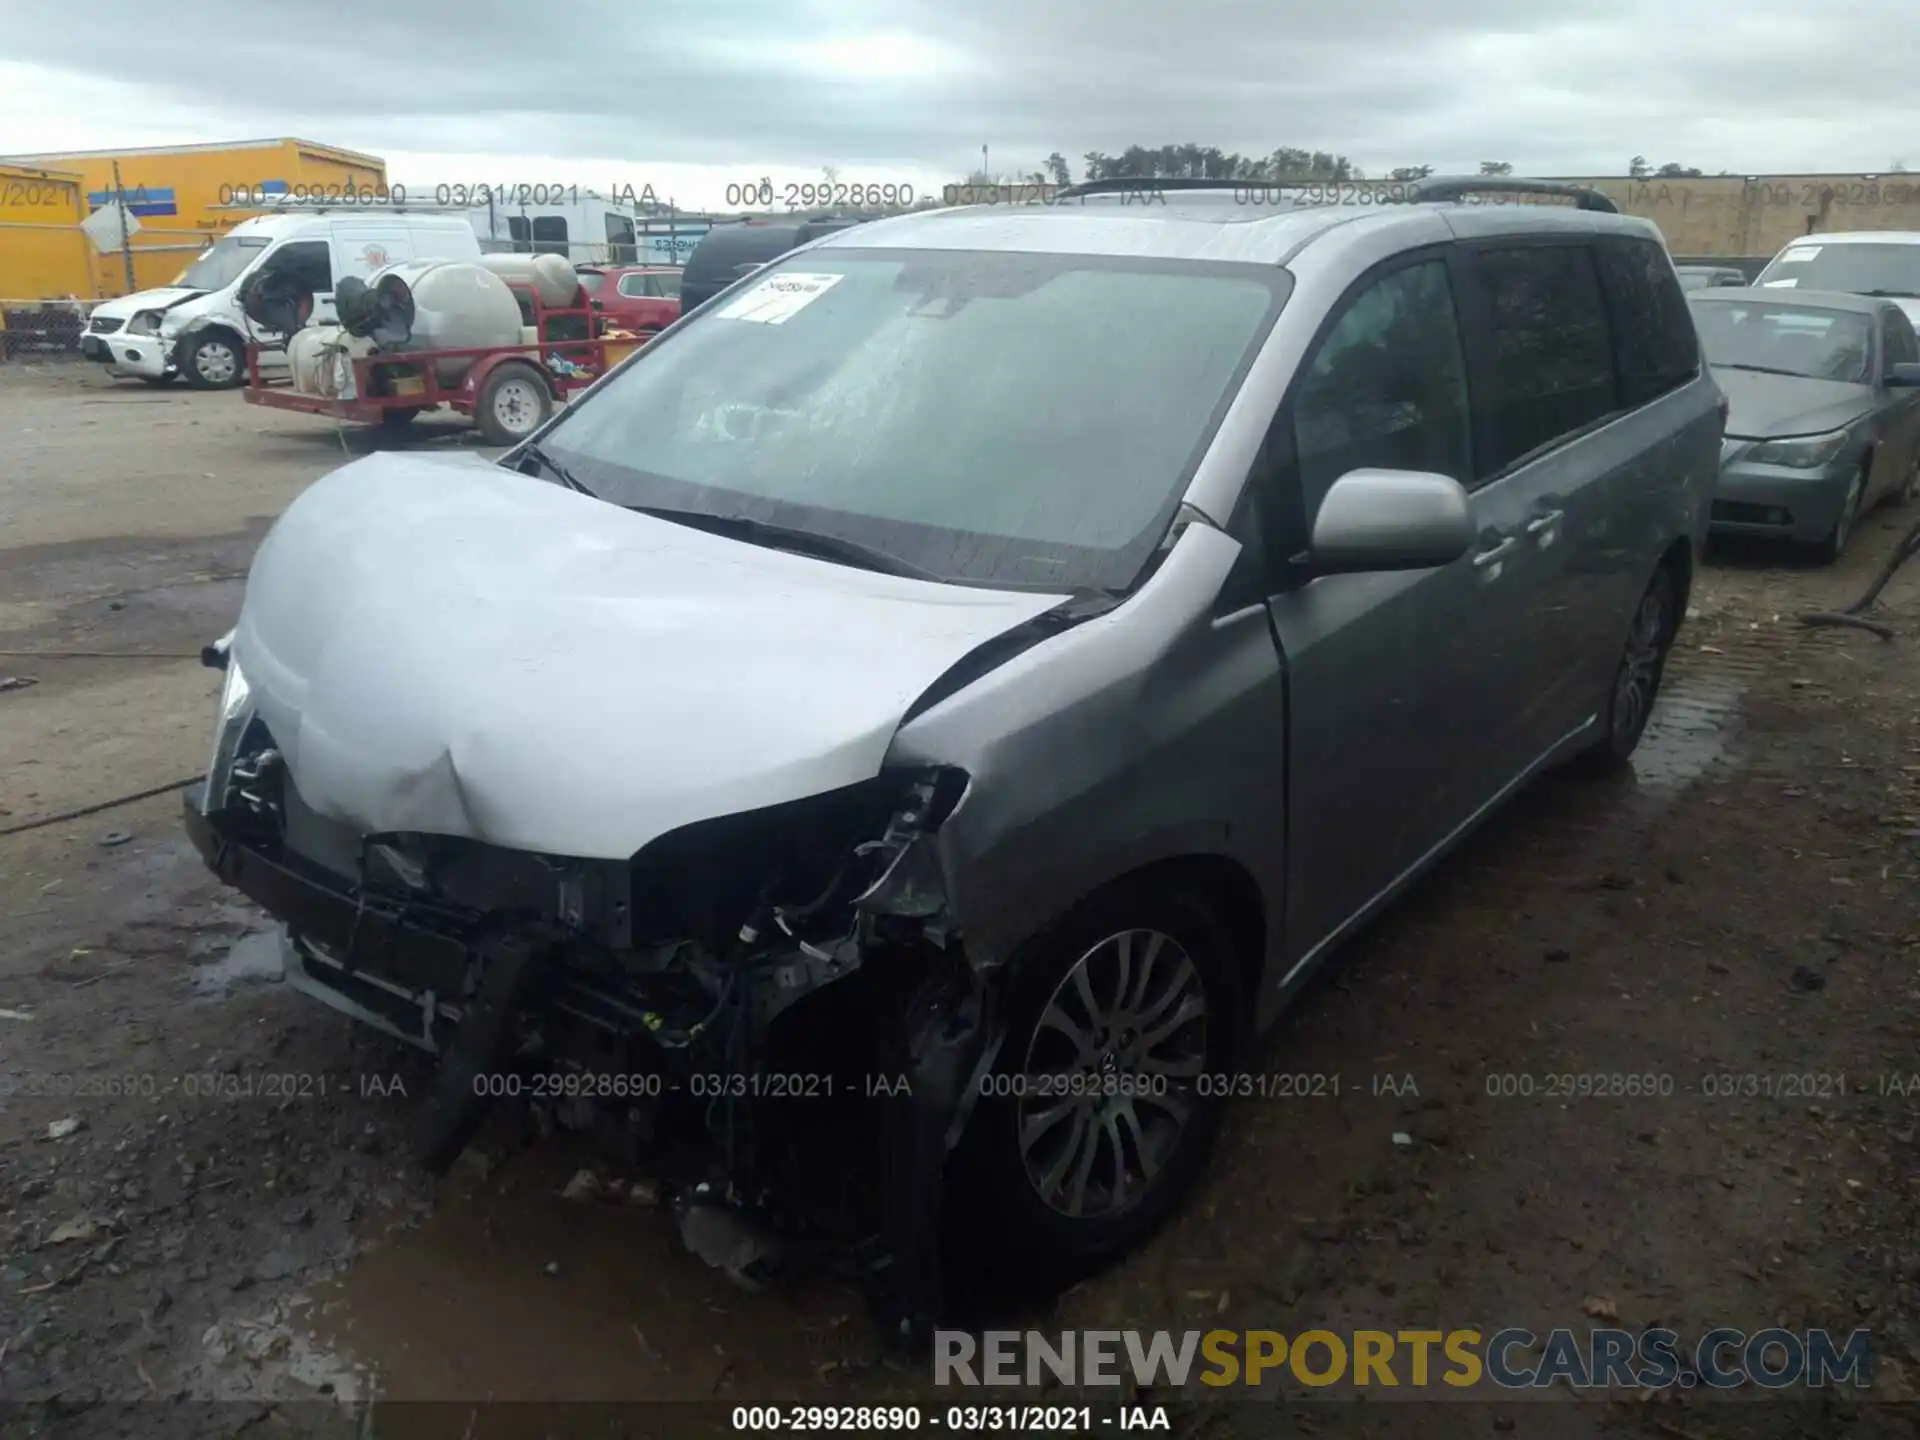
(1545, 362)
(1653, 341)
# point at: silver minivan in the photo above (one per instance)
(901, 738)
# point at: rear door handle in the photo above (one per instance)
(1545, 522)
(1496, 554)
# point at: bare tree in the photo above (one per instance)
(1496, 167)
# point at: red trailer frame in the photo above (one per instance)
(374, 402)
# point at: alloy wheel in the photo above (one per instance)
(1640, 667)
(1108, 1084)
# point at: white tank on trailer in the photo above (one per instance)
(443, 305)
(552, 277)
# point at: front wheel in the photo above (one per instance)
(1636, 679)
(1835, 545)
(1101, 1110)
(211, 362)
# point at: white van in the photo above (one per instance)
(196, 328)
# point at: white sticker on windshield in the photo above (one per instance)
(778, 299)
(1781, 284)
(1805, 252)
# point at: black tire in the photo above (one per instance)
(1643, 663)
(993, 1188)
(514, 402)
(398, 417)
(1835, 545)
(212, 360)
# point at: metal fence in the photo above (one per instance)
(41, 329)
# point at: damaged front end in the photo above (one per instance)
(766, 1009)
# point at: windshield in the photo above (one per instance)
(1009, 419)
(223, 262)
(1790, 339)
(592, 280)
(1858, 269)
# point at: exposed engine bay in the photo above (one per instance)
(765, 1009)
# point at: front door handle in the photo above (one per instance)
(1496, 554)
(1545, 521)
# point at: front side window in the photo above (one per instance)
(308, 262)
(1653, 340)
(223, 262)
(989, 417)
(1784, 339)
(1386, 386)
(1547, 370)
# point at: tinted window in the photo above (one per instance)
(520, 232)
(620, 247)
(988, 416)
(1785, 339)
(1898, 339)
(550, 234)
(1653, 341)
(1386, 386)
(1547, 370)
(309, 263)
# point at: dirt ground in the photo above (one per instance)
(233, 1237)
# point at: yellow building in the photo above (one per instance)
(181, 195)
(42, 252)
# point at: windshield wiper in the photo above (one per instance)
(1893, 294)
(1769, 370)
(552, 466)
(787, 537)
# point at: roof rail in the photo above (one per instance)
(1116, 183)
(1453, 187)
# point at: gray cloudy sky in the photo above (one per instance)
(690, 94)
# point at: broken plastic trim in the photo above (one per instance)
(911, 884)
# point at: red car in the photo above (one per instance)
(640, 298)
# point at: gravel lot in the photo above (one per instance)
(1746, 902)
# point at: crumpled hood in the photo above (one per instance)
(127, 306)
(438, 644)
(1761, 406)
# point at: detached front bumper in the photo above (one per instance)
(148, 355)
(1780, 503)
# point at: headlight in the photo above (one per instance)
(236, 712)
(147, 322)
(1802, 452)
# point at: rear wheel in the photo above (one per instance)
(514, 402)
(1636, 680)
(398, 417)
(1100, 1114)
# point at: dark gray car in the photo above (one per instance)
(1824, 417)
(1708, 277)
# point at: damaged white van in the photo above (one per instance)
(884, 751)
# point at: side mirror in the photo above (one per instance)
(1905, 374)
(1376, 520)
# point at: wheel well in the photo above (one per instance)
(1227, 884)
(213, 327)
(1679, 560)
(507, 367)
